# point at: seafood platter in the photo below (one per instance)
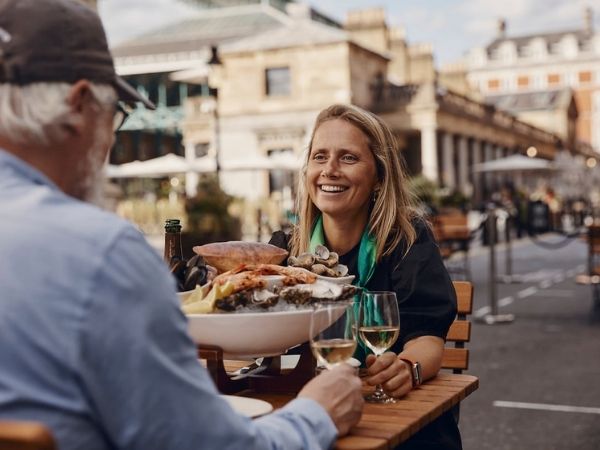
(256, 307)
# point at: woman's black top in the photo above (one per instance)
(427, 304)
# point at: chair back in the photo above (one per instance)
(19, 435)
(456, 356)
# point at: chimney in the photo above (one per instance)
(588, 20)
(501, 28)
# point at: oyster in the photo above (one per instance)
(321, 269)
(330, 262)
(233, 301)
(322, 252)
(300, 294)
(341, 270)
(264, 298)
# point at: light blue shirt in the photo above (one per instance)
(94, 344)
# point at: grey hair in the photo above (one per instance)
(35, 112)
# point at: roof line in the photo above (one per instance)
(540, 35)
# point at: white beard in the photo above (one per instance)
(92, 177)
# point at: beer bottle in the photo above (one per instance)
(173, 250)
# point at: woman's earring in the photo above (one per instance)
(376, 194)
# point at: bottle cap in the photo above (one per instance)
(173, 226)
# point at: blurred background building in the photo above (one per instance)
(546, 79)
(238, 87)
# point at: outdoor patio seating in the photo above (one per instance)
(453, 236)
(456, 356)
(593, 238)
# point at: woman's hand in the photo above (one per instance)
(389, 371)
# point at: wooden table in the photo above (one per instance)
(385, 426)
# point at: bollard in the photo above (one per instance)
(493, 317)
(508, 275)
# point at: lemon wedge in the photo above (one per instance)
(204, 305)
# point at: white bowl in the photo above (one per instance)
(247, 335)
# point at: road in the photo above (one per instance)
(539, 375)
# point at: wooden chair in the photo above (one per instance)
(21, 435)
(452, 234)
(593, 238)
(456, 356)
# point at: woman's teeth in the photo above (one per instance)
(327, 188)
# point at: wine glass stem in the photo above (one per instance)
(379, 392)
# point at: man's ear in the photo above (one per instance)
(79, 101)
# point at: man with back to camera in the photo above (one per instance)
(92, 341)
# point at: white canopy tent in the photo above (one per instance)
(515, 163)
(258, 162)
(172, 164)
(159, 167)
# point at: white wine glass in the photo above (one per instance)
(378, 329)
(333, 333)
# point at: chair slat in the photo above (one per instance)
(455, 358)
(460, 331)
(464, 296)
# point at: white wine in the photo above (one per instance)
(333, 351)
(379, 338)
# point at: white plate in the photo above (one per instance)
(249, 407)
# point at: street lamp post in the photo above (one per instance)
(215, 63)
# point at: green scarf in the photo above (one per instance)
(367, 259)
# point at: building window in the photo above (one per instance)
(493, 85)
(278, 81)
(201, 149)
(523, 82)
(553, 79)
(585, 77)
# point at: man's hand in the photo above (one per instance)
(389, 371)
(339, 392)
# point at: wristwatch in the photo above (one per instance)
(415, 371)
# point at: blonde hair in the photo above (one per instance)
(392, 211)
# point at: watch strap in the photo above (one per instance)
(415, 371)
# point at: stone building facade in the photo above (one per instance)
(547, 64)
(281, 64)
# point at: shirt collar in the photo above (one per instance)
(26, 170)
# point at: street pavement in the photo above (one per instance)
(539, 375)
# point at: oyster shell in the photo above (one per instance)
(330, 262)
(321, 269)
(322, 252)
(341, 270)
(297, 295)
(233, 301)
(264, 298)
(305, 260)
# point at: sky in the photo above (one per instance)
(451, 26)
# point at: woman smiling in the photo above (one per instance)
(353, 199)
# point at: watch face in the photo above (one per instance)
(417, 380)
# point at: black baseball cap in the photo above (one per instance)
(57, 41)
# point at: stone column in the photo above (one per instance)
(191, 178)
(488, 155)
(429, 162)
(477, 178)
(448, 175)
(463, 163)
